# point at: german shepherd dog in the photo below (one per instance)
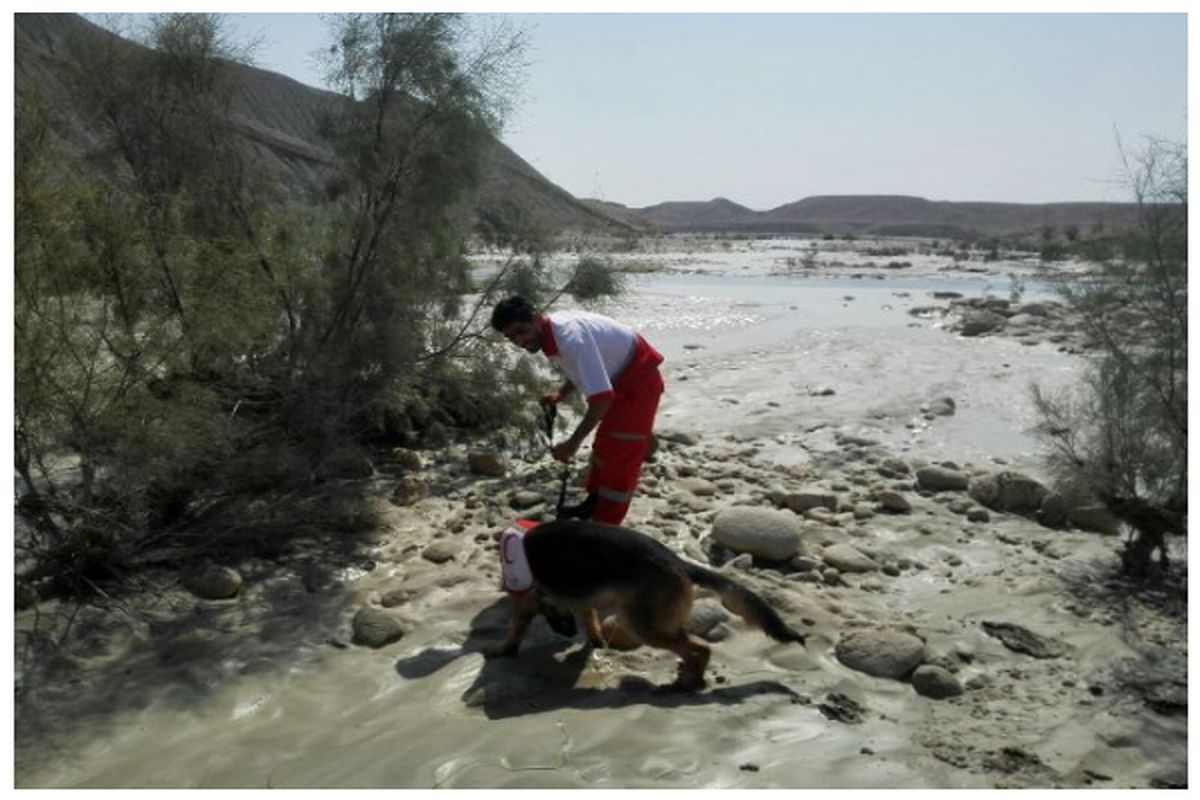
(583, 566)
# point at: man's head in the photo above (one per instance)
(516, 318)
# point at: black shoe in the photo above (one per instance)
(580, 510)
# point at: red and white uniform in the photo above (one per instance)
(605, 358)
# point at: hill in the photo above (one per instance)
(279, 120)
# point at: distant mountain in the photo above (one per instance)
(279, 120)
(716, 213)
(880, 215)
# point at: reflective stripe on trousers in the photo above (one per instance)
(622, 441)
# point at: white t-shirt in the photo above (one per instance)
(592, 349)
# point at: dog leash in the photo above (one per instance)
(549, 414)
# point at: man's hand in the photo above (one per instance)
(564, 451)
(558, 395)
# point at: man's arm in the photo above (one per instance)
(596, 409)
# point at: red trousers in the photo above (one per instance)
(623, 437)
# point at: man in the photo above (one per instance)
(617, 373)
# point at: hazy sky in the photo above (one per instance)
(765, 109)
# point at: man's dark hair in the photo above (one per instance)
(510, 310)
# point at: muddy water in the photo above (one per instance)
(797, 359)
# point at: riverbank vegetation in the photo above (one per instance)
(190, 339)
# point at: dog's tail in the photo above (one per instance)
(745, 603)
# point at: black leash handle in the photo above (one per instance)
(549, 414)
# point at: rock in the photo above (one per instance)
(1022, 640)
(853, 440)
(893, 501)
(441, 551)
(707, 614)
(935, 682)
(840, 708)
(941, 479)
(804, 563)
(821, 514)
(406, 460)
(697, 486)
(976, 323)
(1054, 511)
(882, 653)
(395, 597)
(979, 681)
(1008, 491)
(524, 498)
(486, 462)
(1034, 309)
(374, 627)
(677, 437)
(803, 501)
(978, 515)
(962, 506)
(1020, 320)
(863, 511)
(1094, 517)
(847, 558)
(897, 465)
(214, 583)
(831, 576)
(942, 407)
(763, 532)
(408, 490)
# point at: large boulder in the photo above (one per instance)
(941, 479)
(1008, 491)
(763, 532)
(882, 653)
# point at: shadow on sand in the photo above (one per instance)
(544, 675)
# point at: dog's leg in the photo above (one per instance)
(617, 636)
(694, 661)
(595, 635)
(694, 657)
(659, 618)
(525, 608)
